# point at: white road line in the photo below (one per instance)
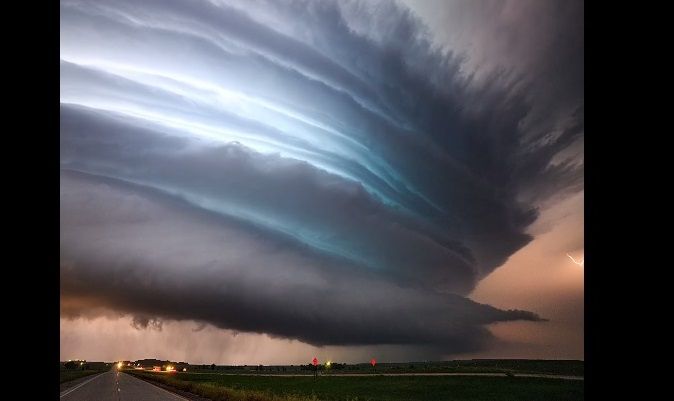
(162, 389)
(80, 385)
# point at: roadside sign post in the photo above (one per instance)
(373, 362)
(315, 363)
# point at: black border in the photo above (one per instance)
(30, 274)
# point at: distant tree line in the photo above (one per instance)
(72, 365)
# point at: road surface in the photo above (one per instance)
(116, 386)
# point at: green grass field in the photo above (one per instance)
(68, 375)
(80, 369)
(550, 367)
(374, 388)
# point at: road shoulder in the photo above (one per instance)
(182, 393)
(76, 382)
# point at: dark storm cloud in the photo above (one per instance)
(314, 170)
(540, 44)
(292, 198)
(193, 264)
(144, 322)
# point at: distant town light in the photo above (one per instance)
(119, 365)
(328, 363)
(184, 369)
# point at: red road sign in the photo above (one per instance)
(315, 361)
(373, 362)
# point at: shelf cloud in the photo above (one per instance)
(314, 170)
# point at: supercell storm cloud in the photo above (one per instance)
(315, 170)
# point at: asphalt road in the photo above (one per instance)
(116, 386)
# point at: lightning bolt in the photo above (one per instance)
(579, 263)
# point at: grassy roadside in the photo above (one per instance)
(375, 388)
(68, 375)
(213, 391)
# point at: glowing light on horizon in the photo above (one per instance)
(580, 262)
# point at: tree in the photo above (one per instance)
(213, 367)
(70, 365)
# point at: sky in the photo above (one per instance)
(248, 182)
